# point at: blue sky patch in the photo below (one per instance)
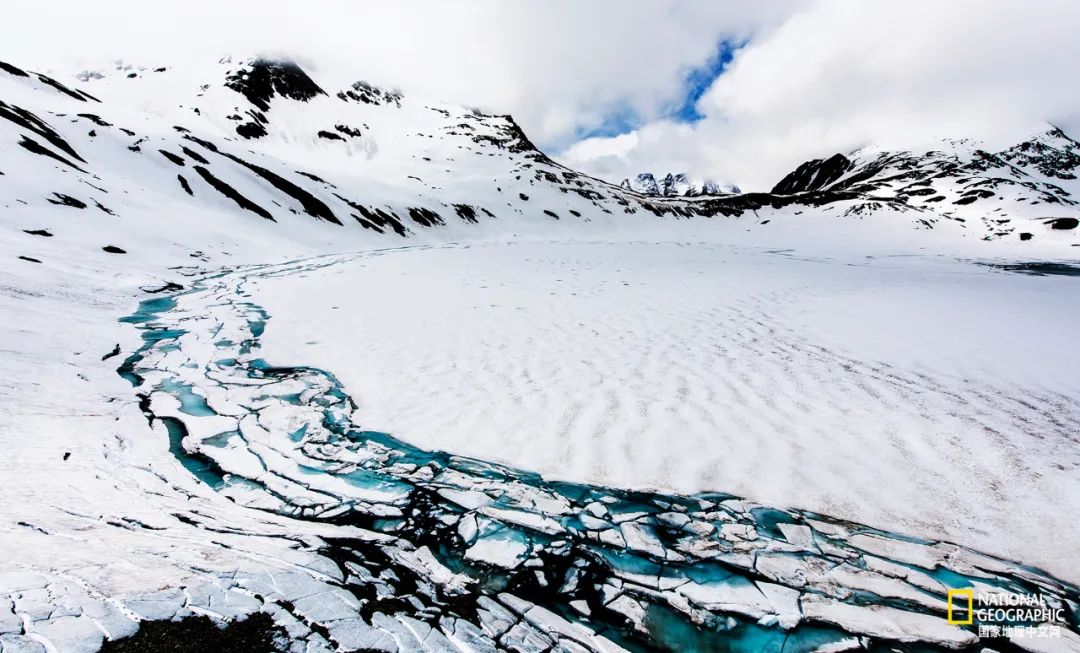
(620, 121)
(698, 80)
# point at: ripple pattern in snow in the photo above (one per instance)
(461, 552)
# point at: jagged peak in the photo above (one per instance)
(677, 184)
(261, 79)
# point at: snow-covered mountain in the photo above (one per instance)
(676, 185)
(261, 138)
(1023, 190)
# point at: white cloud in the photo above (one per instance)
(559, 66)
(818, 76)
(841, 74)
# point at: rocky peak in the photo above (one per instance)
(676, 185)
(644, 183)
(261, 80)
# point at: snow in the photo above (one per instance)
(874, 389)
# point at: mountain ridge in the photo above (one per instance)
(261, 136)
(1016, 188)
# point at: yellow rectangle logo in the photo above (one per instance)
(954, 607)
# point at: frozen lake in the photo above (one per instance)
(927, 395)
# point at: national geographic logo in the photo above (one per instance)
(965, 615)
(1005, 614)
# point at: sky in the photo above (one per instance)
(737, 91)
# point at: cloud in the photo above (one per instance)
(814, 76)
(840, 74)
(561, 67)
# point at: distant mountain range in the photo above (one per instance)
(261, 138)
(676, 185)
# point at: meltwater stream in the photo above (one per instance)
(516, 562)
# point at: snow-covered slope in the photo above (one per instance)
(264, 138)
(1024, 191)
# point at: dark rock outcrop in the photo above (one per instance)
(371, 94)
(813, 175)
(263, 79)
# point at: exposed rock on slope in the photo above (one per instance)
(261, 80)
(371, 94)
(1005, 191)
